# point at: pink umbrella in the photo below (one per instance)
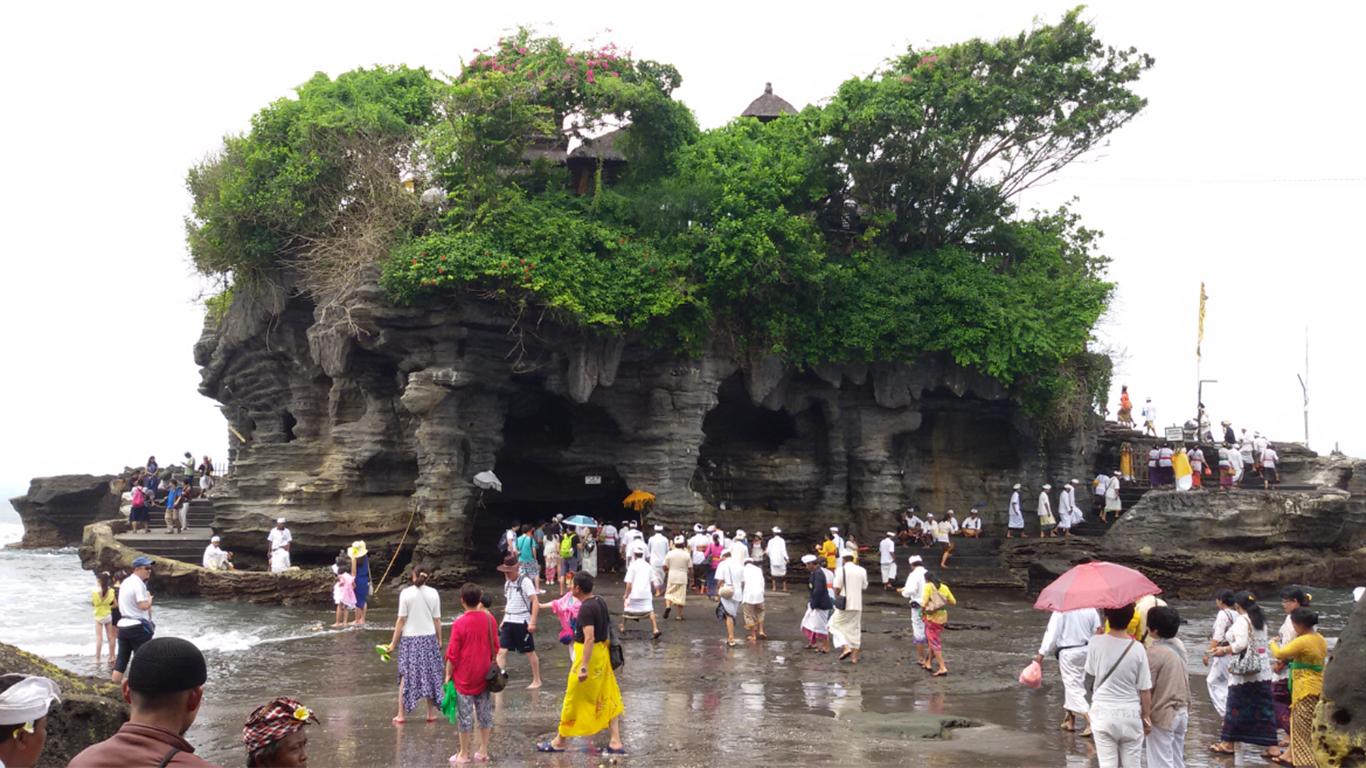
(1095, 585)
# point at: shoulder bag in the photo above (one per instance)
(935, 603)
(1250, 661)
(615, 653)
(496, 679)
(840, 599)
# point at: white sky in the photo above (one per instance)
(1246, 171)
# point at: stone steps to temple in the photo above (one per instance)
(199, 514)
(187, 546)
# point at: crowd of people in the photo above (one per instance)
(170, 488)
(1264, 687)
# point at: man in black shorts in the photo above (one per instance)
(518, 630)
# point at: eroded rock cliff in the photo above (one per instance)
(356, 422)
(56, 509)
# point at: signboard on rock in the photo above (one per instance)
(592, 479)
(1175, 435)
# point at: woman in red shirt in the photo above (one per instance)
(473, 646)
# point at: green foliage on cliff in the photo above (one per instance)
(877, 227)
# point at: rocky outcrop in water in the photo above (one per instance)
(91, 709)
(356, 423)
(56, 510)
(101, 551)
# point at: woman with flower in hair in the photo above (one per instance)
(274, 734)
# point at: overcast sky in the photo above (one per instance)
(1246, 171)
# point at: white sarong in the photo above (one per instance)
(917, 627)
(1217, 682)
(846, 628)
(816, 622)
(1072, 669)
(888, 571)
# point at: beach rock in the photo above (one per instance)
(100, 550)
(56, 509)
(1189, 542)
(91, 710)
(1340, 719)
(907, 725)
(369, 423)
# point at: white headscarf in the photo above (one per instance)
(28, 700)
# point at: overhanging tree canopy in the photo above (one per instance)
(877, 227)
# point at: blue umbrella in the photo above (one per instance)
(582, 520)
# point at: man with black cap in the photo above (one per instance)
(135, 625)
(164, 689)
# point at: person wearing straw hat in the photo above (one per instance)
(678, 567)
(24, 704)
(274, 734)
(360, 572)
(1015, 514)
(280, 539)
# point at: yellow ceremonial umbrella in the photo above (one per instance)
(638, 499)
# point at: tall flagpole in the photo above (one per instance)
(1199, 340)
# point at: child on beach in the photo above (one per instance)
(551, 553)
(103, 600)
(344, 591)
(566, 609)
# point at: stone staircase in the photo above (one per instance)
(974, 563)
(187, 546)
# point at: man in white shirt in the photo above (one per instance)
(280, 539)
(607, 551)
(1165, 458)
(886, 560)
(972, 526)
(915, 587)
(1270, 475)
(658, 548)
(740, 547)
(1015, 514)
(837, 538)
(215, 559)
(1046, 519)
(135, 609)
(1066, 638)
(1149, 418)
(846, 624)
(697, 547)
(1065, 510)
(752, 599)
(730, 578)
(954, 527)
(1235, 462)
(1216, 680)
(520, 609)
(1078, 516)
(776, 551)
(1098, 487)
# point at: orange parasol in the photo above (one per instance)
(638, 499)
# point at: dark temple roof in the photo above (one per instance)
(768, 106)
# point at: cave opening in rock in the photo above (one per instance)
(752, 457)
(287, 425)
(557, 457)
(390, 472)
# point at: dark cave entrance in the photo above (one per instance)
(557, 457)
(752, 457)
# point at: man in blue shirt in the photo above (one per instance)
(173, 523)
(526, 556)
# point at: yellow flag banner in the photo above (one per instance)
(1200, 334)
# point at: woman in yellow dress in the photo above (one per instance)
(829, 551)
(1126, 462)
(1305, 654)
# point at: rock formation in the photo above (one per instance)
(91, 709)
(1340, 720)
(101, 551)
(355, 423)
(56, 510)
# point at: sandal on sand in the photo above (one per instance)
(1218, 749)
(459, 759)
(610, 750)
(546, 746)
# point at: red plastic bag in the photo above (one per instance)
(1032, 676)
